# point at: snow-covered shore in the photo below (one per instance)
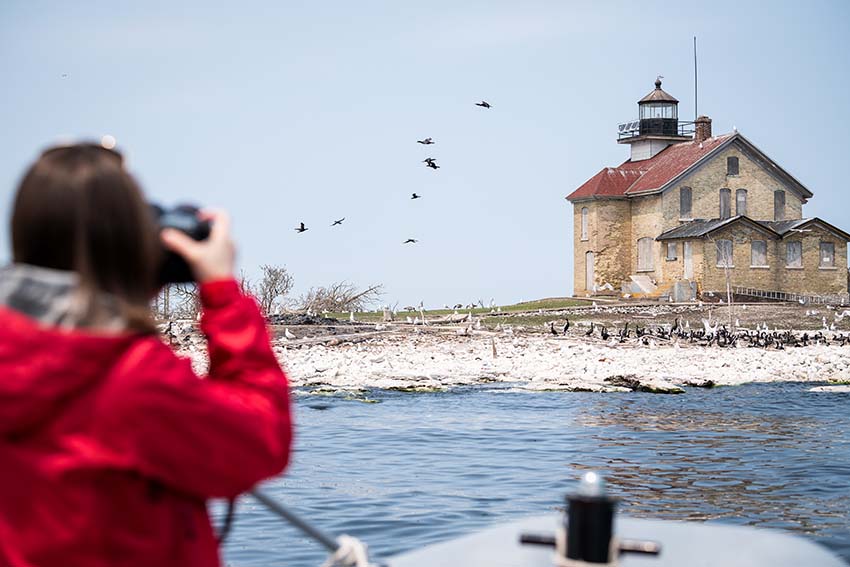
(431, 361)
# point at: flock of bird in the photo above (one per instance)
(428, 161)
(710, 335)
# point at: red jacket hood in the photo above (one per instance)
(43, 368)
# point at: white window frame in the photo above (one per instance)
(731, 260)
(831, 264)
(783, 211)
(728, 192)
(674, 248)
(690, 211)
(584, 223)
(645, 254)
(753, 263)
(738, 193)
(737, 165)
(799, 244)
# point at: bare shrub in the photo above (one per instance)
(340, 296)
(188, 301)
(275, 283)
(177, 301)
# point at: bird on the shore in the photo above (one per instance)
(465, 331)
(351, 317)
(338, 222)
(552, 328)
(415, 196)
(410, 241)
(425, 142)
(483, 104)
(288, 334)
(301, 228)
(590, 330)
(566, 327)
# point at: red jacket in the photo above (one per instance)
(111, 445)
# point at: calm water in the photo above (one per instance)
(419, 468)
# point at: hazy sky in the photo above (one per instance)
(283, 112)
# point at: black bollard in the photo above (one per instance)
(590, 522)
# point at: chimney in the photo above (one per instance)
(702, 129)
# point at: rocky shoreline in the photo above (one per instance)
(415, 359)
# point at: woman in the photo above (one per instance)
(109, 444)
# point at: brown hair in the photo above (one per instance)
(78, 209)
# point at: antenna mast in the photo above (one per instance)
(696, 100)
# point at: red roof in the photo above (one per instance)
(636, 177)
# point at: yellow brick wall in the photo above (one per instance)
(607, 221)
(673, 270)
(810, 279)
(646, 222)
(581, 247)
(742, 274)
(706, 182)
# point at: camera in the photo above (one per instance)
(184, 218)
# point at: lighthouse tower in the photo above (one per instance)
(657, 126)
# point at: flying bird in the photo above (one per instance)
(425, 142)
(336, 222)
(429, 161)
(483, 104)
(432, 164)
(64, 75)
(410, 241)
(301, 228)
(415, 196)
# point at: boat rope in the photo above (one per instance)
(228, 521)
(346, 551)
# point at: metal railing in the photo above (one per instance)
(803, 298)
(631, 129)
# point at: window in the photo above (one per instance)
(658, 110)
(671, 251)
(725, 203)
(741, 202)
(685, 203)
(724, 254)
(584, 223)
(778, 205)
(827, 255)
(731, 165)
(794, 254)
(758, 255)
(645, 263)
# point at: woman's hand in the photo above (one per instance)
(210, 259)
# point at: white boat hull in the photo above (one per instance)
(682, 545)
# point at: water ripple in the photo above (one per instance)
(417, 469)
